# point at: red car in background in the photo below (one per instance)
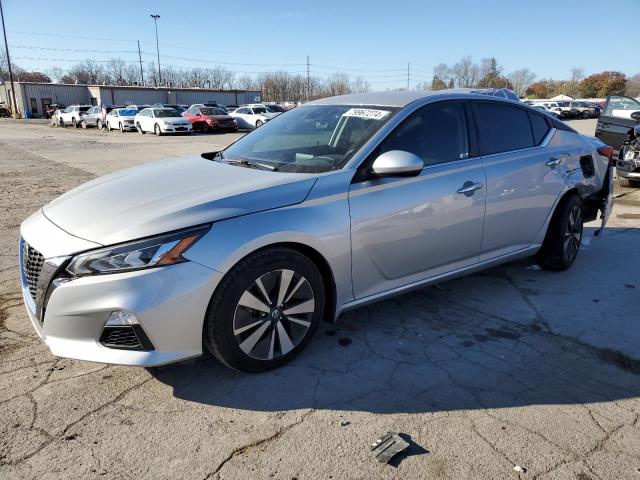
(207, 119)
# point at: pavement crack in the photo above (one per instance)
(241, 450)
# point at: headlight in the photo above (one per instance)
(151, 252)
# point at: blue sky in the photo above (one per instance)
(374, 39)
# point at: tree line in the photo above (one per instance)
(488, 73)
(276, 85)
(282, 85)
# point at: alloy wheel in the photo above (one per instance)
(573, 233)
(274, 314)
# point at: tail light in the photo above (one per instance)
(607, 151)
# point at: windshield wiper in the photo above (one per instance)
(245, 163)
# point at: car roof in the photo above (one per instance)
(401, 98)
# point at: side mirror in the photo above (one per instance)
(636, 116)
(397, 163)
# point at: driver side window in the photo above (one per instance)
(436, 133)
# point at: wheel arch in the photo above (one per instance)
(321, 263)
(573, 190)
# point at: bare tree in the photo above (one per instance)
(442, 72)
(521, 79)
(115, 71)
(464, 73)
(245, 82)
(572, 86)
(151, 74)
(56, 73)
(633, 86)
(360, 85)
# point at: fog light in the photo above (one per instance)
(119, 318)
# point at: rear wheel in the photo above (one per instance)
(99, 125)
(265, 310)
(625, 182)
(83, 124)
(74, 123)
(562, 243)
(204, 127)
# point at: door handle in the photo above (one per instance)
(469, 187)
(554, 162)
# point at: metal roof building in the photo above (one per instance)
(33, 98)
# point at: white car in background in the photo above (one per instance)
(161, 120)
(252, 116)
(121, 119)
(72, 114)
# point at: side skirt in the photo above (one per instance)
(526, 252)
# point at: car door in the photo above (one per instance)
(615, 120)
(524, 174)
(407, 229)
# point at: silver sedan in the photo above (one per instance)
(337, 203)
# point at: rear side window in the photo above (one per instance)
(539, 127)
(437, 134)
(502, 128)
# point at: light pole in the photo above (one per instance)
(155, 20)
(6, 46)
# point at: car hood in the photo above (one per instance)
(163, 196)
(173, 119)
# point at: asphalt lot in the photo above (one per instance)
(511, 366)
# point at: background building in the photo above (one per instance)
(33, 98)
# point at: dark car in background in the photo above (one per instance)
(619, 127)
(618, 118)
(173, 106)
(4, 112)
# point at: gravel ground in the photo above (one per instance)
(512, 366)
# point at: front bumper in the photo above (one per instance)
(170, 304)
(177, 128)
(628, 168)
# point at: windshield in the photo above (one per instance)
(212, 111)
(127, 112)
(314, 138)
(84, 109)
(258, 110)
(166, 112)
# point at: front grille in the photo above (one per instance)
(130, 337)
(32, 261)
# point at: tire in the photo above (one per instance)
(156, 130)
(121, 127)
(60, 122)
(625, 182)
(74, 123)
(204, 127)
(562, 242)
(258, 123)
(108, 127)
(83, 124)
(99, 124)
(139, 128)
(259, 339)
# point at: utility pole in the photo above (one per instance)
(6, 46)
(408, 75)
(155, 19)
(308, 79)
(140, 57)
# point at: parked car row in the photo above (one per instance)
(166, 118)
(568, 110)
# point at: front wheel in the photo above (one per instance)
(121, 128)
(265, 310)
(99, 125)
(156, 130)
(108, 127)
(258, 123)
(83, 124)
(139, 128)
(562, 242)
(74, 123)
